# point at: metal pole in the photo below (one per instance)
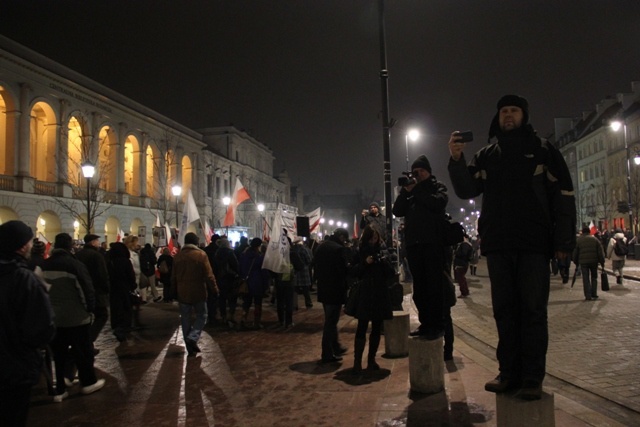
(384, 77)
(406, 144)
(629, 200)
(88, 205)
(177, 225)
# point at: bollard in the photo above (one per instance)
(511, 411)
(396, 335)
(426, 365)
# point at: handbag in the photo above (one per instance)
(604, 280)
(242, 285)
(351, 305)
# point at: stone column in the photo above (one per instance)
(426, 365)
(396, 335)
(511, 411)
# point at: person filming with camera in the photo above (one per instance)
(422, 202)
(375, 218)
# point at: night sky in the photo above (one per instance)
(302, 76)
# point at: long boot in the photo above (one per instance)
(374, 342)
(358, 349)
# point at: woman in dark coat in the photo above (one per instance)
(123, 282)
(373, 302)
(257, 279)
(165, 277)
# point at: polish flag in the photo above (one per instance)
(208, 231)
(240, 194)
(314, 220)
(355, 227)
(47, 245)
(170, 244)
(592, 228)
(120, 236)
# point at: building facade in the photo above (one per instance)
(54, 121)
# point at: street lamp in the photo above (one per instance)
(88, 170)
(616, 125)
(412, 135)
(226, 200)
(262, 220)
(176, 190)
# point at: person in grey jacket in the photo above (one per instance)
(73, 300)
(588, 253)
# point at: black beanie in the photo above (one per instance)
(191, 239)
(63, 241)
(14, 235)
(421, 162)
(507, 100)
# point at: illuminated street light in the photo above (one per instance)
(88, 170)
(413, 135)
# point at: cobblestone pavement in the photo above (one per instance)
(270, 377)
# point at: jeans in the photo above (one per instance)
(330, 342)
(520, 284)
(189, 331)
(73, 343)
(590, 280)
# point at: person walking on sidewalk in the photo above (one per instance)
(461, 258)
(372, 302)
(617, 252)
(26, 323)
(73, 300)
(191, 279)
(528, 215)
(257, 282)
(588, 253)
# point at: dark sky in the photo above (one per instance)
(303, 75)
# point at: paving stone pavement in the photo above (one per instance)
(270, 377)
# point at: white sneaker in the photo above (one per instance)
(93, 387)
(70, 383)
(60, 397)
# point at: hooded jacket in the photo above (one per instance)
(528, 201)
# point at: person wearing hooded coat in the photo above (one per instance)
(528, 216)
(123, 283)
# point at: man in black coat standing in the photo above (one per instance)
(26, 323)
(331, 265)
(422, 202)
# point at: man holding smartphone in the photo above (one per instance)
(528, 216)
(375, 218)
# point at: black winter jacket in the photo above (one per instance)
(423, 210)
(528, 200)
(331, 265)
(27, 322)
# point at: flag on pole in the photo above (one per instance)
(240, 194)
(314, 220)
(170, 244)
(189, 214)
(208, 232)
(592, 228)
(120, 235)
(47, 244)
(355, 227)
(276, 258)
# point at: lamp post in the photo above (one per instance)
(262, 220)
(413, 135)
(176, 190)
(616, 125)
(88, 170)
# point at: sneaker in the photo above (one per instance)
(93, 387)
(70, 382)
(192, 346)
(158, 299)
(60, 397)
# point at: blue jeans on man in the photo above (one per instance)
(191, 332)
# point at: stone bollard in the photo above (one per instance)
(511, 411)
(396, 335)
(426, 365)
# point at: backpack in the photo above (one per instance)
(620, 248)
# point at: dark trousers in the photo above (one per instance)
(285, 298)
(590, 280)
(14, 404)
(75, 343)
(101, 316)
(520, 293)
(330, 341)
(426, 263)
(448, 331)
(460, 274)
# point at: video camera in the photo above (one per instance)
(407, 179)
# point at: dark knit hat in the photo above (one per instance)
(63, 241)
(374, 204)
(191, 239)
(505, 101)
(341, 232)
(422, 162)
(14, 235)
(256, 242)
(90, 238)
(39, 247)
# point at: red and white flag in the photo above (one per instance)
(240, 194)
(189, 214)
(314, 220)
(120, 235)
(170, 244)
(47, 245)
(592, 228)
(355, 227)
(208, 231)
